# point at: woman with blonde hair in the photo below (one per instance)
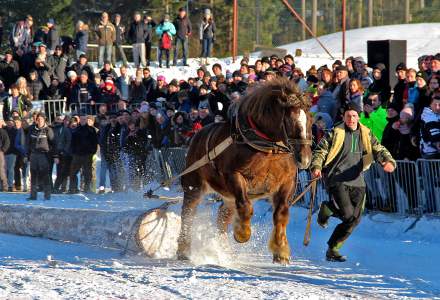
(23, 87)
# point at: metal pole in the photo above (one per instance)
(303, 13)
(315, 16)
(344, 8)
(235, 31)
(293, 11)
(370, 13)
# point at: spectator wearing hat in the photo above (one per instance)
(108, 71)
(137, 34)
(44, 71)
(400, 87)
(207, 32)
(391, 135)
(82, 65)
(119, 41)
(41, 150)
(63, 140)
(161, 88)
(343, 156)
(53, 37)
(84, 146)
(106, 34)
(109, 94)
(380, 83)
(83, 92)
(58, 64)
(166, 31)
(81, 38)
(9, 70)
(342, 90)
(53, 92)
(40, 35)
(16, 102)
(183, 31)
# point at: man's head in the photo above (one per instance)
(15, 92)
(401, 71)
(84, 77)
(341, 73)
(117, 18)
(146, 73)
(411, 75)
(435, 104)
(40, 120)
(83, 120)
(182, 12)
(82, 59)
(137, 17)
(351, 117)
(104, 17)
(435, 63)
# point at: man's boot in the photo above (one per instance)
(334, 255)
(324, 214)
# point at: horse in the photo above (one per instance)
(271, 133)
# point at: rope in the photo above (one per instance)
(307, 234)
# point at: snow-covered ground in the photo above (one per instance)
(384, 261)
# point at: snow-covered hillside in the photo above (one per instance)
(421, 39)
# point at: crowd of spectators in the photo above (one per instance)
(123, 117)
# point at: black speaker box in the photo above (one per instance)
(388, 52)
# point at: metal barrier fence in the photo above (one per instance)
(50, 108)
(413, 189)
(93, 109)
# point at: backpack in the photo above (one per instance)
(165, 42)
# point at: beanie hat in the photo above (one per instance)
(400, 67)
(353, 106)
(379, 66)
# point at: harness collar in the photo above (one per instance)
(258, 132)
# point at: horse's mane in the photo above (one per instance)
(262, 102)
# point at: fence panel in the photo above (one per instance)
(50, 108)
(429, 171)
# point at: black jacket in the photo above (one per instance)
(83, 93)
(150, 87)
(399, 90)
(111, 143)
(183, 27)
(4, 140)
(12, 133)
(84, 140)
(9, 72)
(138, 32)
(78, 68)
(41, 140)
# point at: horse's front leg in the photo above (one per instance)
(278, 244)
(191, 199)
(242, 221)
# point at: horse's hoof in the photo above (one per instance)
(242, 236)
(278, 259)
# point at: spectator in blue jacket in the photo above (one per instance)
(165, 30)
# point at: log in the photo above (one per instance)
(153, 232)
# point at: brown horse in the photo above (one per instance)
(277, 114)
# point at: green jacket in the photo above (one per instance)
(376, 122)
(330, 146)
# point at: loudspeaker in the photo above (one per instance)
(390, 53)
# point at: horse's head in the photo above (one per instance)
(282, 113)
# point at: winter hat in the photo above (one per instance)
(379, 66)
(400, 67)
(360, 59)
(353, 106)
(161, 77)
(51, 21)
(108, 81)
(207, 12)
(394, 105)
(407, 113)
(341, 68)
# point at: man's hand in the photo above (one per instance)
(316, 173)
(56, 161)
(388, 167)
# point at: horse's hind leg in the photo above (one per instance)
(242, 222)
(278, 244)
(191, 199)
